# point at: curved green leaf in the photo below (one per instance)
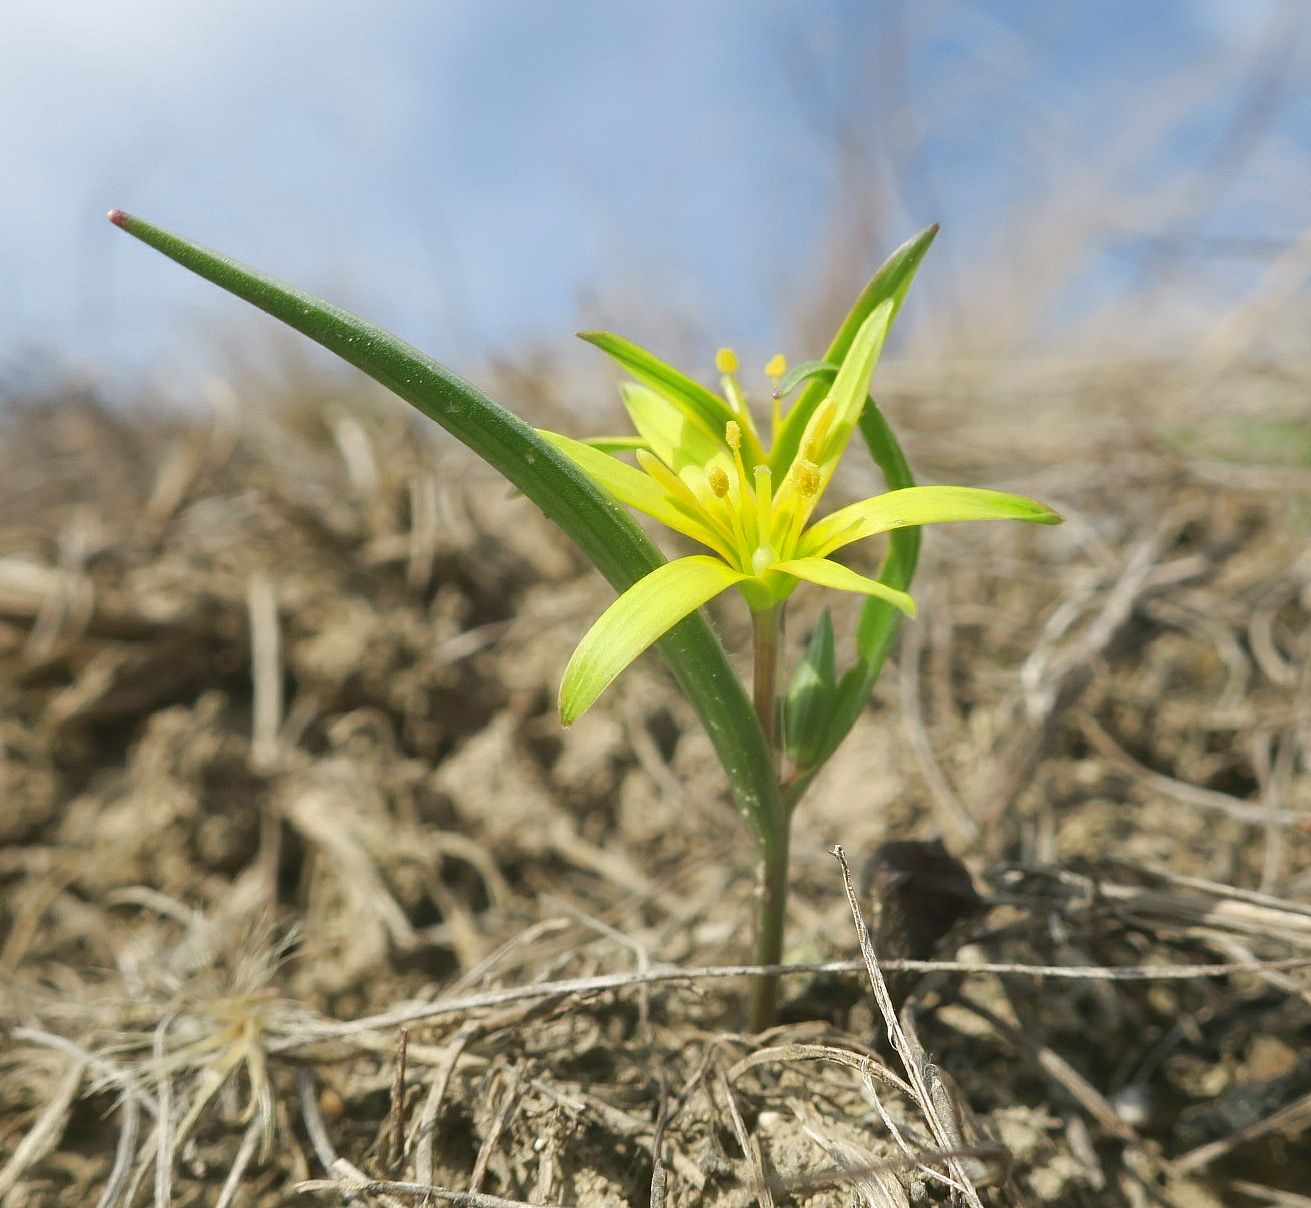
(891, 281)
(634, 621)
(805, 372)
(879, 621)
(683, 392)
(918, 505)
(608, 536)
(810, 697)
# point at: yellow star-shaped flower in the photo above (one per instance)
(705, 473)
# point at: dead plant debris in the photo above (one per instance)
(305, 895)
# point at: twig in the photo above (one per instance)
(1271, 1195)
(1087, 1096)
(427, 1122)
(318, 1135)
(164, 1121)
(749, 1142)
(659, 1175)
(123, 1154)
(45, 1131)
(246, 1151)
(813, 1180)
(894, 1131)
(619, 1121)
(1220, 890)
(1274, 772)
(104, 1069)
(582, 986)
(1189, 794)
(1294, 1115)
(641, 957)
(504, 1111)
(856, 1166)
(423, 1192)
(912, 1060)
(859, 1062)
(396, 1142)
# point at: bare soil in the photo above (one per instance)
(284, 790)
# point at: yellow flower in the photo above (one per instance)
(705, 473)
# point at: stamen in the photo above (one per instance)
(733, 435)
(805, 478)
(776, 368)
(804, 483)
(726, 363)
(718, 481)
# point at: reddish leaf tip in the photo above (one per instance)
(117, 217)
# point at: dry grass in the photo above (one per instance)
(284, 790)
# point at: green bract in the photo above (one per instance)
(705, 473)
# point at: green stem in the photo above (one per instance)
(767, 629)
(772, 919)
(770, 924)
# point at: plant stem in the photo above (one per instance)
(770, 924)
(772, 919)
(767, 628)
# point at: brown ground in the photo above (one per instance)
(277, 750)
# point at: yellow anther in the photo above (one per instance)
(777, 367)
(805, 478)
(718, 481)
(733, 435)
(726, 360)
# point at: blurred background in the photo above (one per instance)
(1115, 180)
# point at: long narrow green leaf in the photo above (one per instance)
(810, 698)
(675, 385)
(891, 281)
(600, 526)
(802, 373)
(880, 622)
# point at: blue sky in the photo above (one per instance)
(476, 173)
